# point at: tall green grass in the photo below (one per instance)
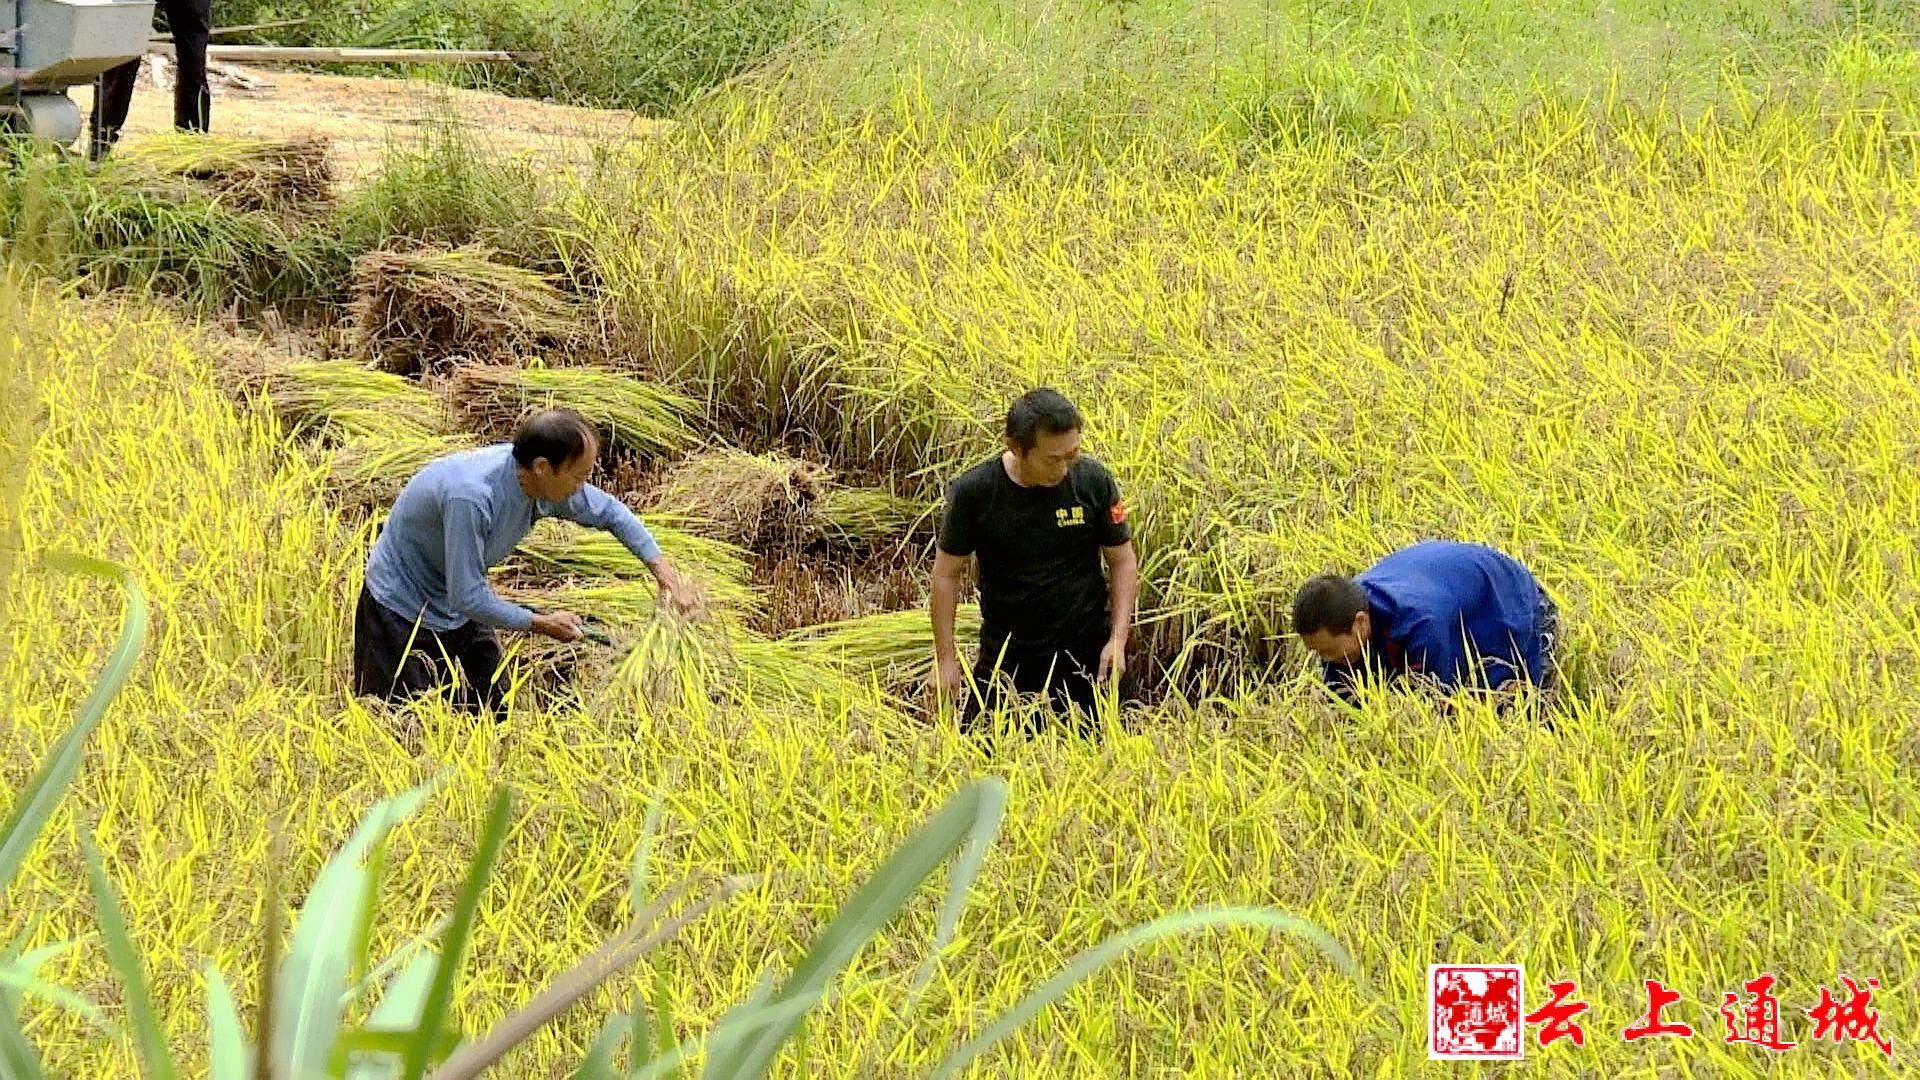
(1368, 78)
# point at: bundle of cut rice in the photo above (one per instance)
(367, 473)
(641, 416)
(347, 399)
(893, 647)
(240, 172)
(414, 310)
(561, 547)
(870, 518)
(758, 501)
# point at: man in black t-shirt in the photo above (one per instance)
(1040, 519)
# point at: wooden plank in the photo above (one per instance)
(246, 28)
(287, 54)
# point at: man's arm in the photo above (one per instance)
(594, 508)
(947, 572)
(1123, 574)
(955, 545)
(1123, 586)
(467, 588)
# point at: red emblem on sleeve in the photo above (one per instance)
(1118, 511)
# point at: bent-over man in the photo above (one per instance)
(426, 605)
(1450, 613)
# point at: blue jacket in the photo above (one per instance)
(1458, 613)
(460, 516)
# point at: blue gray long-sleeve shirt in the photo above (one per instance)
(460, 516)
(1433, 601)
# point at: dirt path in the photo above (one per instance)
(358, 115)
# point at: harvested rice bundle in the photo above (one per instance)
(667, 662)
(347, 399)
(240, 172)
(413, 310)
(641, 416)
(870, 518)
(894, 647)
(759, 501)
(367, 473)
(664, 660)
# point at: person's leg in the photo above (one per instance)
(1075, 685)
(393, 659)
(191, 24)
(112, 98)
(480, 657)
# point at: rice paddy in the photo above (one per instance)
(1665, 355)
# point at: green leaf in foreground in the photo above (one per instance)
(972, 817)
(424, 1047)
(226, 1040)
(1092, 960)
(17, 1057)
(308, 988)
(151, 1036)
(21, 975)
(598, 1064)
(36, 801)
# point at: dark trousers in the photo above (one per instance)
(191, 24)
(1065, 675)
(1550, 642)
(394, 659)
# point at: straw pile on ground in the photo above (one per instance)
(643, 417)
(414, 311)
(283, 176)
(758, 501)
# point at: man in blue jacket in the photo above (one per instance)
(1450, 614)
(426, 606)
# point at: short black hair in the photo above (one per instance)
(559, 435)
(1038, 410)
(1328, 602)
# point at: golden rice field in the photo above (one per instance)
(1672, 363)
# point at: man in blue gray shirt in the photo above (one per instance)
(1442, 612)
(426, 604)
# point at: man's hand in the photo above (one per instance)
(680, 595)
(948, 677)
(1113, 661)
(558, 625)
(684, 599)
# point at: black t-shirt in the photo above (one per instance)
(1042, 578)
